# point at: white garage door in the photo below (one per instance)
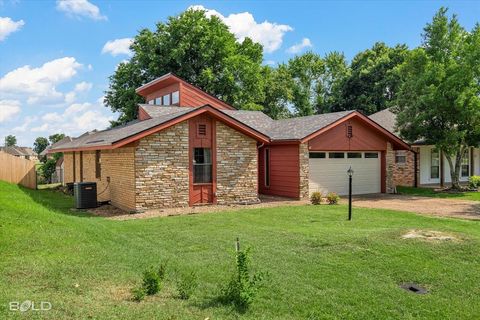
(328, 172)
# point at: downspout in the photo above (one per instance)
(415, 169)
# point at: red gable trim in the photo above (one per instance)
(396, 140)
(195, 112)
(142, 114)
(143, 90)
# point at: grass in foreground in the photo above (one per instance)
(321, 266)
(429, 192)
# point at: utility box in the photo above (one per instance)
(85, 194)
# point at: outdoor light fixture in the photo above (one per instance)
(350, 175)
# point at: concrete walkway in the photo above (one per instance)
(465, 209)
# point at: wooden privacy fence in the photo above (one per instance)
(17, 170)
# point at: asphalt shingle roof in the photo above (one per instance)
(386, 119)
(285, 129)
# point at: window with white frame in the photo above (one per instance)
(400, 157)
(434, 164)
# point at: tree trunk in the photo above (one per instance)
(455, 169)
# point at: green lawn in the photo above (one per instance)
(321, 266)
(429, 192)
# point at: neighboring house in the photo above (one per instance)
(423, 165)
(49, 155)
(21, 152)
(189, 148)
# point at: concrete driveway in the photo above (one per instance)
(465, 209)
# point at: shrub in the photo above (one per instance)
(316, 198)
(243, 287)
(474, 182)
(332, 198)
(151, 282)
(138, 294)
(187, 282)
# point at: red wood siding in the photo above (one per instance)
(284, 171)
(363, 138)
(192, 97)
(142, 115)
(202, 192)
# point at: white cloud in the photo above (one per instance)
(296, 48)
(7, 26)
(26, 123)
(39, 84)
(80, 8)
(76, 119)
(9, 109)
(83, 86)
(118, 46)
(243, 25)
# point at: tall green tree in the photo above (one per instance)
(54, 138)
(197, 48)
(372, 84)
(10, 141)
(439, 98)
(306, 71)
(329, 92)
(278, 92)
(40, 144)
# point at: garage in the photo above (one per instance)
(328, 171)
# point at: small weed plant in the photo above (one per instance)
(243, 286)
(187, 283)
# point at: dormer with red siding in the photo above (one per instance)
(170, 90)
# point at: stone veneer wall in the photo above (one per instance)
(403, 173)
(162, 169)
(304, 171)
(390, 164)
(237, 166)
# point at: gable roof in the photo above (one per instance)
(386, 118)
(170, 78)
(134, 130)
(18, 151)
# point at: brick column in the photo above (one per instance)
(390, 165)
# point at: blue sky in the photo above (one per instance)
(56, 56)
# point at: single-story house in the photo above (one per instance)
(189, 148)
(21, 152)
(423, 165)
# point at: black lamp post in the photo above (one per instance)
(350, 174)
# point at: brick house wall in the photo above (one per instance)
(117, 164)
(403, 173)
(162, 169)
(68, 167)
(304, 171)
(237, 163)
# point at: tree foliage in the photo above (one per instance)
(54, 138)
(40, 144)
(439, 96)
(10, 141)
(372, 84)
(200, 50)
